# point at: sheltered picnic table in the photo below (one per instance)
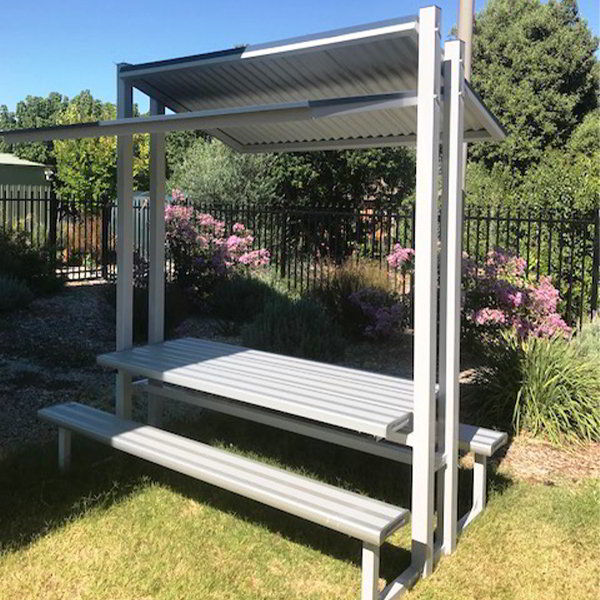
(381, 84)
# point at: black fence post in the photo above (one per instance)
(53, 225)
(106, 214)
(595, 264)
(283, 245)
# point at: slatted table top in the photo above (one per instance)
(349, 398)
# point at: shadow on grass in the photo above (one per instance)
(37, 498)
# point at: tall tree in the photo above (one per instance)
(86, 168)
(212, 172)
(34, 111)
(7, 121)
(386, 176)
(535, 67)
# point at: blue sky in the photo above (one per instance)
(72, 45)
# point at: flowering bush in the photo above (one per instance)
(500, 296)
(382, 313)
(202, 249)
(401, 259)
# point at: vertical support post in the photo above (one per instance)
(156, 296)
(124, 243)
(156, 287)
(428, 116)
(124, 397)
(64, 449)
(370, 572)
(451, 276)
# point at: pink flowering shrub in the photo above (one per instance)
(401, 259)
(500, 296)
(381, 312)
(203, 250)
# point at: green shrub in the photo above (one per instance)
(549, 387)
(341, 295)
(588, 338)
(560, 394)
(14, 294)
(297, 328)
(240, 299)
(34, 266)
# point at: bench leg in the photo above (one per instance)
(155, 405)
(479, 491)
(123, 402)
(370, 572)
(479, 481)
(64, 449)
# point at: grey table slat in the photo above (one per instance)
(360, 517)
(348, 398)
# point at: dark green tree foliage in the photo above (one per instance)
(7, 121)
(346, 178)
(534, 66)
(34, 111)
(177, 144)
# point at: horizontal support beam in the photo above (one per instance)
(381, 142)
(216, 119)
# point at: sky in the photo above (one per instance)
(72, 45)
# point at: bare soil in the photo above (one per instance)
(534, 460)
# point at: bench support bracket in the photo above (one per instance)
(64, 449)
(479, 492)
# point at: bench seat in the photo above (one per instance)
(366, 519)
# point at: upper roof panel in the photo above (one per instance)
(369, 59)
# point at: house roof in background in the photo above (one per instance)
(14, 161)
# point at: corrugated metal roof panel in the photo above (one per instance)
(388, 65)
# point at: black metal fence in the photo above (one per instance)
(307, 244)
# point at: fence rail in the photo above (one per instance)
(306, 244)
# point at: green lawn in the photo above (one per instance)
(118, 528)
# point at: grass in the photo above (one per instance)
(129, 530)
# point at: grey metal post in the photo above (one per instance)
(124, 243)
(64, 449)
(450, 295)
(428, 133)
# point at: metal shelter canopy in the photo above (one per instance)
(348, 88)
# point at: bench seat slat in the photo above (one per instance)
(363, 518)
